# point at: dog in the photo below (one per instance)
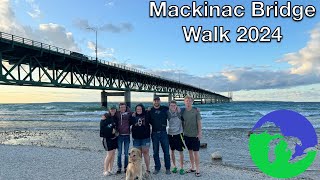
(134, 169)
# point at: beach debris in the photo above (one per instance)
(203, 145)
(216, 156)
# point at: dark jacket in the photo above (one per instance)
(158, 118)
(123, 123)
(107, 126)
(140, 126)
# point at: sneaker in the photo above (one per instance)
(174, 170)
(106, 173)
(125, 170)
(155, 172)
(182, 171)
(119, 171)
(168, 171)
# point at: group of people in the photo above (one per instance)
(171, 127)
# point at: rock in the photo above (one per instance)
(216, 156)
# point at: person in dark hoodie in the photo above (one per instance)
(123, 125)
(109, 139)
(141, 133)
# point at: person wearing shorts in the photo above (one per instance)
(109, 139)
(192, 129)
(175, 135)
(141, 133)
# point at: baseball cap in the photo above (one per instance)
(113, 107)
(156, 98)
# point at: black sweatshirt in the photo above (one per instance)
(140, 126)
(158, 118)
(107, 126)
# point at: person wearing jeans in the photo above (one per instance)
(158, 119)
(160, 137)
(123, 125)
(123, 144)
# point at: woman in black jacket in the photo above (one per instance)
(109, 139)
(141, 133)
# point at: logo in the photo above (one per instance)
(294, 147)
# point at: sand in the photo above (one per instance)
(77, 153)
(31, 162)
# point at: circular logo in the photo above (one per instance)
(287, 162)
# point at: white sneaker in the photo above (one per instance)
(106, 173)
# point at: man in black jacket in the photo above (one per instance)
(158, 119)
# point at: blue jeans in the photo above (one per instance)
(160, 137)
(123, 140)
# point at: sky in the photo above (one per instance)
(275, 71)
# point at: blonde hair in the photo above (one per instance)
(188, 97)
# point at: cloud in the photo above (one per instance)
(35, 11)
(307, 59)
(8, 23)
(109, 3)
(238, 79)
(50, 33)
(83, 24)
(102, 52)
(124, 27)
(136, 66)
(304, 70)
(57, 35)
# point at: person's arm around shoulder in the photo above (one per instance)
(148, 115)
(199, 125)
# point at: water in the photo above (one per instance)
(236, 115)
(225, 125)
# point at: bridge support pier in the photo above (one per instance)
(104, 99)
(170, 97)
(126, 95)
(127, 98)
(1, 66)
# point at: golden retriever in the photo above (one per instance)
(134, 169)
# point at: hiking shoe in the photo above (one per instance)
(182, 171)
(168, 171)
(119, 171)
(155, 172)
(174, 170)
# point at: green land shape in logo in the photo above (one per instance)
(281, 167)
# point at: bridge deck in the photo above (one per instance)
(60, 65)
